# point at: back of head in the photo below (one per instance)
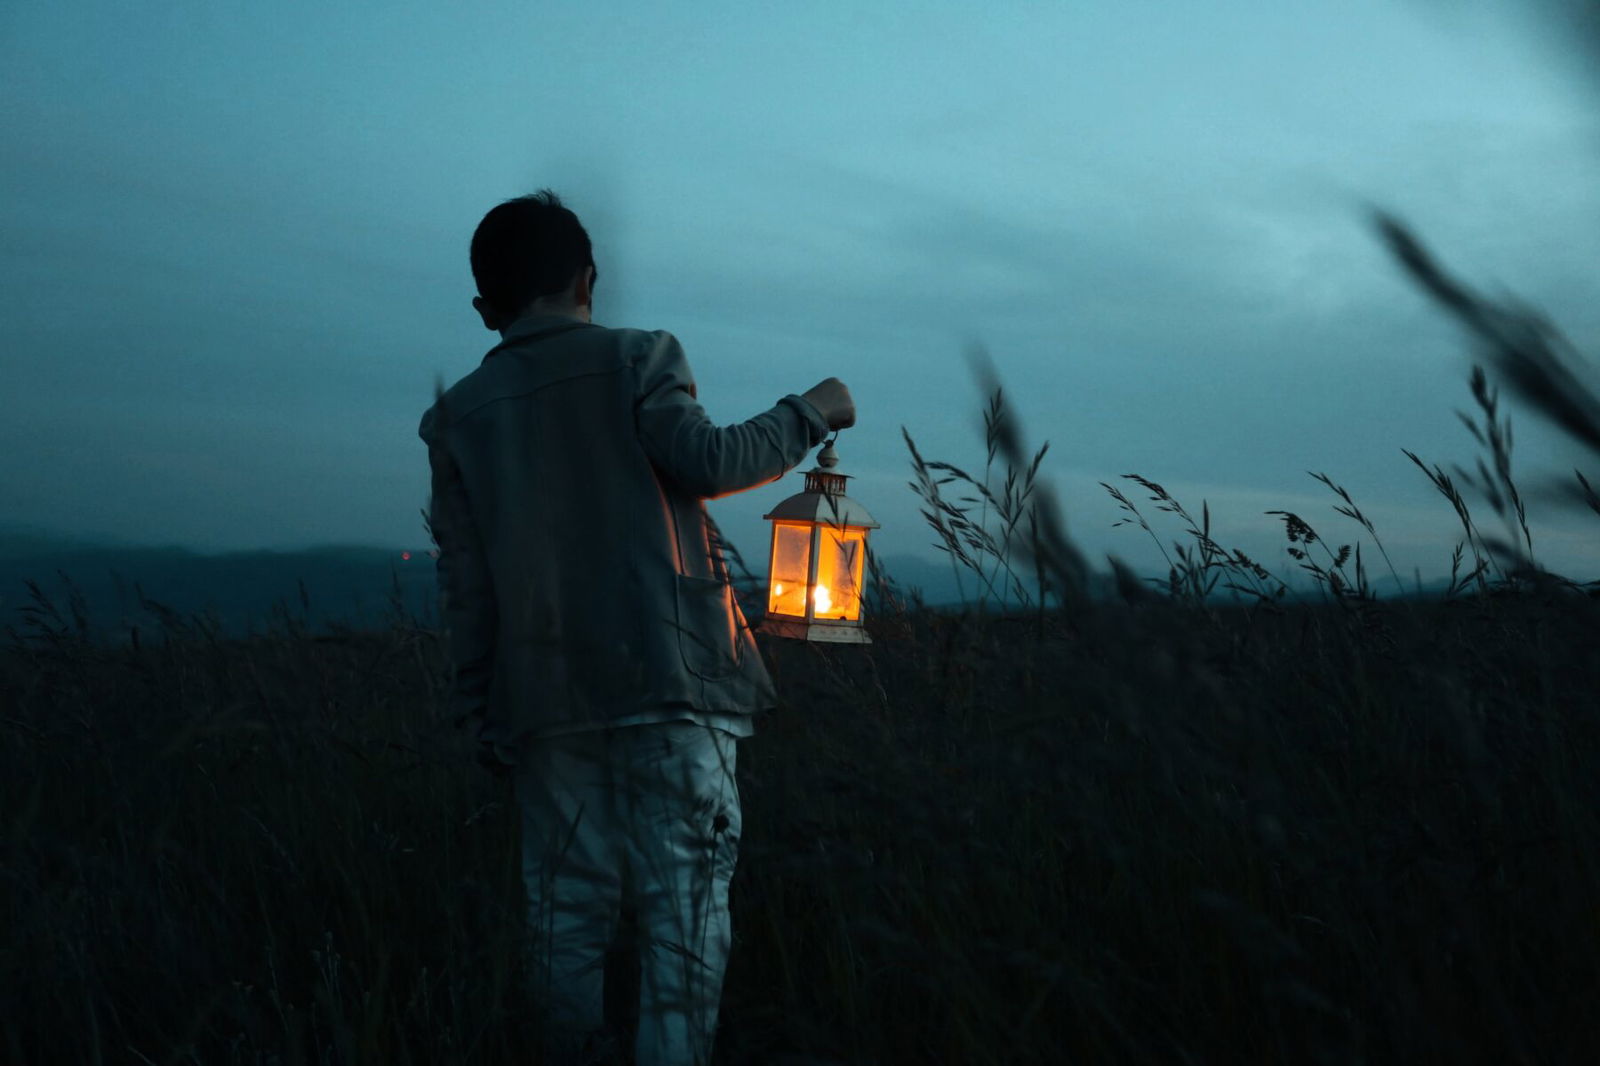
(527, 248)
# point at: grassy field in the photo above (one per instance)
(1157, 831)
(1164, 836)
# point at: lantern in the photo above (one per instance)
(819, 558)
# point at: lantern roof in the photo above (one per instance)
(824, 501)
(825, 509)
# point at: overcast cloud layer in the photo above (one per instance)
(235, 246)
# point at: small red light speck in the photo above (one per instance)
(405, 555)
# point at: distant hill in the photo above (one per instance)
(939, 586)
(348, 584)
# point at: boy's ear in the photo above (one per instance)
(491, 319)
(583, 292)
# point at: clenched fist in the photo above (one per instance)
(832, 400)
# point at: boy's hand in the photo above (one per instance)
(832, 400)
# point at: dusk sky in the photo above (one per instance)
(234, 252)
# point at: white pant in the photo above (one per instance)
(647, 815)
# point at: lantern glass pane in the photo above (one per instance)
(791, 565)
(842, 555)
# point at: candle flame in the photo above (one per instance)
(791, 599)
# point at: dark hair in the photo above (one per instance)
(527, 248)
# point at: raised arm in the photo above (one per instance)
(702, 458)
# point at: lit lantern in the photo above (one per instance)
(819, 558)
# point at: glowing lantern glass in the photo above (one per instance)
(819, 560)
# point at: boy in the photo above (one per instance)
(591, 626)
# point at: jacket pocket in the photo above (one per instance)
(707, 633)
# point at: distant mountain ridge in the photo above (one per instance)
(940, 587)
(351, 584)
(344, 583)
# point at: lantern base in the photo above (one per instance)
(822, 632)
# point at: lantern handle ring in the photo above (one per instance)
(827, 458)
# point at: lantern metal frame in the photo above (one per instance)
(823, 505)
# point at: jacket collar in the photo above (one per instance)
(531, 326)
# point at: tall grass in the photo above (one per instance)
(1043, 829)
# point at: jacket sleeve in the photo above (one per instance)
(467, 606)
(703, 459)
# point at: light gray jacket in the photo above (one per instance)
(581, 582)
